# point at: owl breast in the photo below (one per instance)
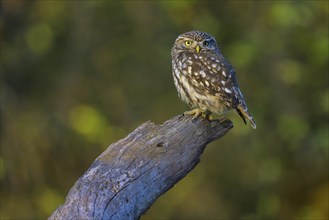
(198, 82)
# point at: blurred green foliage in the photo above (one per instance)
(79, 75)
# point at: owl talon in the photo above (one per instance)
(207, 115)
(198, 112)
(195, 112)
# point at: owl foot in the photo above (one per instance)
(207, 115)
(199, 112)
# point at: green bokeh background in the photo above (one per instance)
(78, 75)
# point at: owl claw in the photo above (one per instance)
(198, 112)
(209, 117)
(195, 112)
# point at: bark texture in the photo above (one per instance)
(124, 181)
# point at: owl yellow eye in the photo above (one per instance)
(188, 43)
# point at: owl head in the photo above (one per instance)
(195, 42)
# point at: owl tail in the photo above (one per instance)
(244, 114)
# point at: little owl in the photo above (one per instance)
(204, 79)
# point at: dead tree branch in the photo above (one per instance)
(124, 181)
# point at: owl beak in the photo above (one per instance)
(197, 48)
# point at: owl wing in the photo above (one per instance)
(237, 100)
(217, 77)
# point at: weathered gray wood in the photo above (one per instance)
(124, 181)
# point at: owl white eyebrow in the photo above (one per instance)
(183, 38)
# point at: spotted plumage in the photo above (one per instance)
(204, 79)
